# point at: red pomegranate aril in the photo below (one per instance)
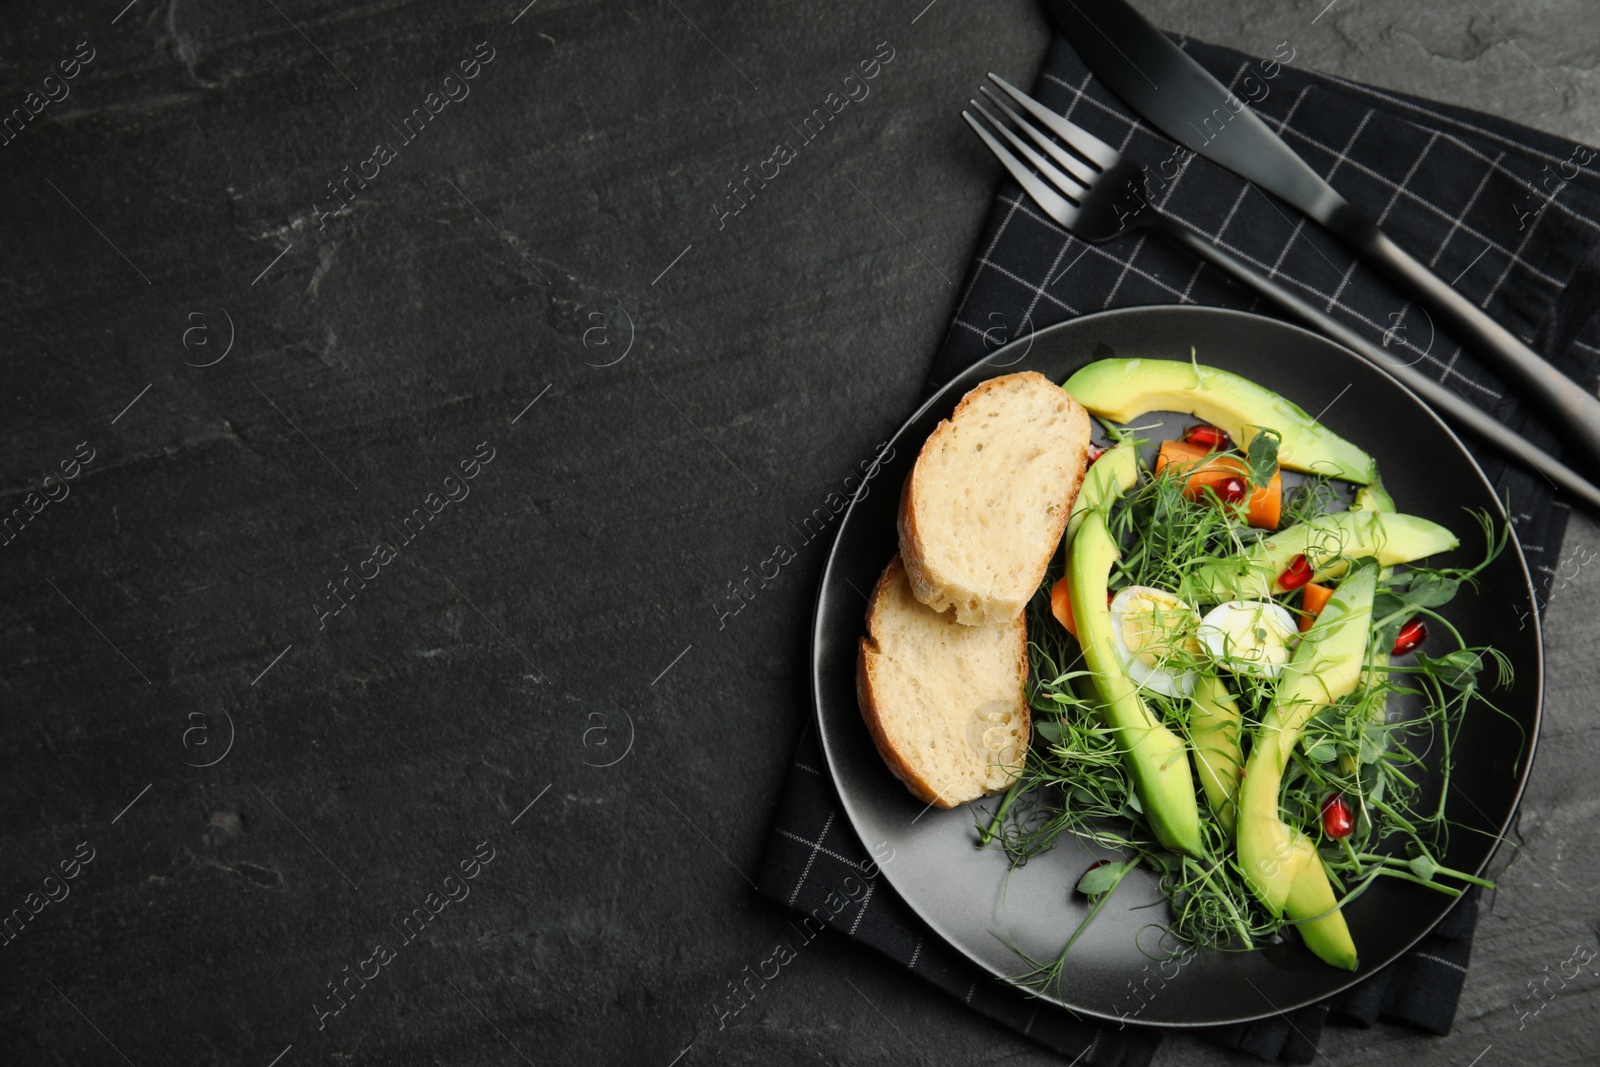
(1231, 490)
(1296, 574)
(1410, 636)
(1095, 452)
(1208, 436)
(1337, 819)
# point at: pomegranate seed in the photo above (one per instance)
(1095, 452)
(1337, 820)
(1410, 636)
(1296, 574)
(1208, 436)
(1231, 490)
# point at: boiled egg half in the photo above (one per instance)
(1154, 634)
(1253, 637)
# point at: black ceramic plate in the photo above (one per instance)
(963, 892)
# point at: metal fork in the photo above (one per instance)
(1098, 194)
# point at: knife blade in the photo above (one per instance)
(1178, 96)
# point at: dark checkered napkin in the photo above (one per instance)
(1506, 213)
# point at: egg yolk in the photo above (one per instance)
(1154, 629)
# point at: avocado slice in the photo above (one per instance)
(1110, 476)
(1279, 863)
(1328, 542)
(1214, 722)
(1373, 497)
(1320, 922)
(1156, 757)
(1214, 728)
(1123, 389)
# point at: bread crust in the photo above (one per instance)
(902, 764)
(926, 586)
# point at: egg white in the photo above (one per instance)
(1254, 637)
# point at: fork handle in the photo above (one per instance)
(1451, 405)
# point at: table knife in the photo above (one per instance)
(1179, 97)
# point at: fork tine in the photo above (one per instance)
(1048, 171)
(1081, 140)
(1070, 163)
(1053, 203)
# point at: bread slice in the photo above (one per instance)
(985, 505)
(945, 703)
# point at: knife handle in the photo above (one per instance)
(1454, 407)
(1570, 410)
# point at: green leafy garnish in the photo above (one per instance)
(1104, 877)
(1262, 456)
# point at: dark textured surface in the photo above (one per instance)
(521, 639)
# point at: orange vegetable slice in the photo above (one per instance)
(1061, 605)
(1315, 598)
(1209, 469)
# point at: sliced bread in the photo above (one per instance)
(945, 703)
(984, 507)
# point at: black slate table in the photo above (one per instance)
(286, 281)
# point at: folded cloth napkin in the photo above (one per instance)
(1507, 214)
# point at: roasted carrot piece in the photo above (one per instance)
(1316, 596)
(1180, 452)
(1209, 469)
(1061, 605)
(1266, 504)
